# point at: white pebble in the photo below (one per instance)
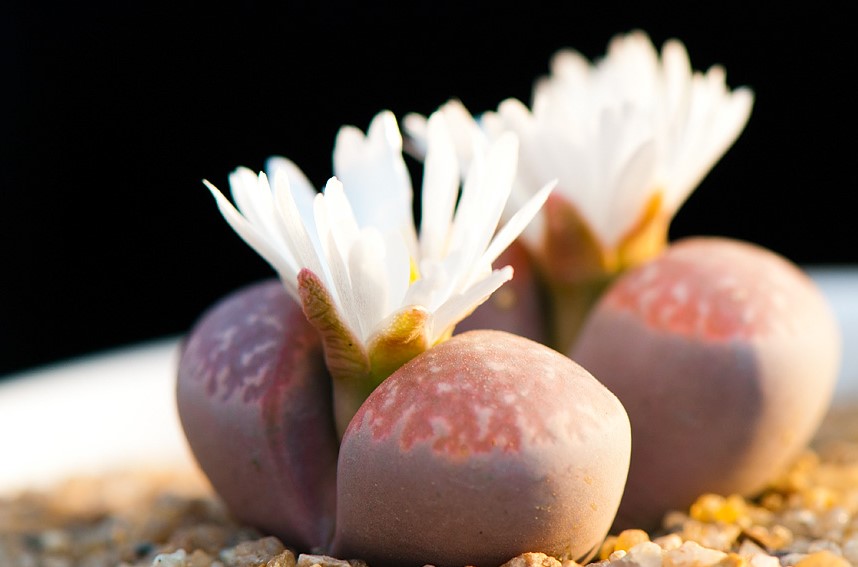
(792, 558)
(56, 541)
(692, 554)
(824, 545)
(832, 524)
(669, 541)
(763, 560)
(307, 560)
(850, 550)
(644, 554)
(175, 559)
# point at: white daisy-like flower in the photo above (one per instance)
(351, 256)
(628, 137)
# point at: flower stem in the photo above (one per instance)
(348, 396)
(570, 304)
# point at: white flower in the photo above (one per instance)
(627, 137)
(351, 255)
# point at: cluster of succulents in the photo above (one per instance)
(346, 410)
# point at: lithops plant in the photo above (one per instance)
(485, 445)
(254, 398)
(628, 138)
(264, 396)
(725, 356)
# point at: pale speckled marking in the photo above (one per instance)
(679, 292)
(224, 338)
(725, 282)
(253, 319)
(222, 375)
(260, 349)
(370, 417)
(648, 273)
(666, 313)
(390, 400)
(523, 423)
(546, 357)
(646, 297)
(749, 314)
(586, 423)
(258, 377)
(440, 427)
(461, 415)
(702, 308)
(738, 295)
(229, 370)
(484, 416)
(719, 307)
(495, 366)
(441, 433)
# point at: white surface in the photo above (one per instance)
(90, 415)
(840, 286)
(118, 408)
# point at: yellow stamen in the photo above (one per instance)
(403, 338)
(647, 237)
(415, 271)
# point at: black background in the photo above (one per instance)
(114, 112)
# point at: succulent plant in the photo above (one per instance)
(254, 398)
(725, 356)
(486, 446)
(283, 389)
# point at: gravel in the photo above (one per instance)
(808, 517)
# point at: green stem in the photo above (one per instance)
(348, 396)
(570, 304)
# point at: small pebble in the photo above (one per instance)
(644, 554)
(307, 560)
(252, 553)
(692, 554)
(668, 542)
(175, 559)
(822, 559)
(538, 560)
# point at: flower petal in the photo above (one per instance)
(336, 248)
(252, 196)
(344, 353)
(459, 306)
(297, 229)
(302, 190)
(369, 280)
(282, 262)
(440, 189)
(515, 225)
(375, 177)
(484, 197)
